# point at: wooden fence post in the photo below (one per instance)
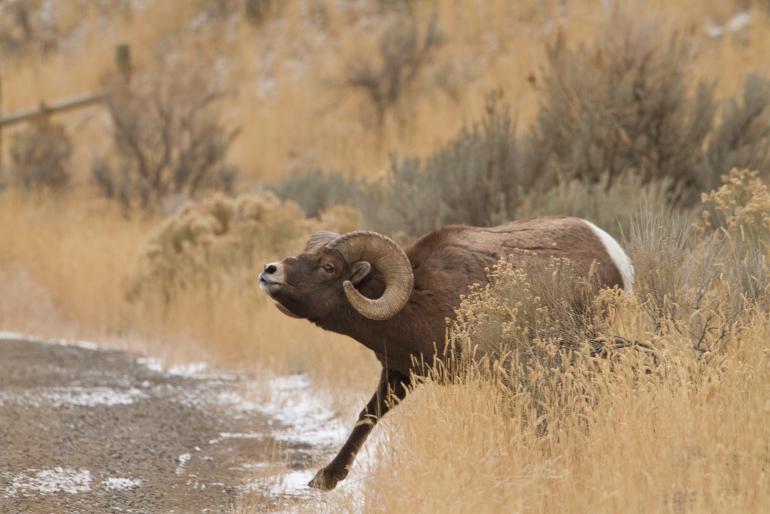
(123, 60)
(1, 130)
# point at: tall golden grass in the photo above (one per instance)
(67, 264)
(670, 445)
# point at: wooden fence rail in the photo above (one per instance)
(123, 64)
(44, 109)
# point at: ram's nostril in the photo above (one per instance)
(271, 268)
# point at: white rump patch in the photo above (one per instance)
(618, 256)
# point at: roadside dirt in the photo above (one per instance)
(85, 430)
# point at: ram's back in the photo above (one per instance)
(456, 256)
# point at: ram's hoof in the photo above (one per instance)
(326, 479)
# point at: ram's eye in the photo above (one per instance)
(328, 268)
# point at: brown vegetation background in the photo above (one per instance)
(401, 116)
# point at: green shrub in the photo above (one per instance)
(474, 179)
(316, 191)
(611, 208)
(623, 104)
(742, 137)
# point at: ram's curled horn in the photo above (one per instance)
(319, 239)
(387, 257)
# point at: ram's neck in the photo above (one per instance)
(396, 341)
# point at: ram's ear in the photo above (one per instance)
(358, 272)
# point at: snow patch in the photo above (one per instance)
(306, 419)
(75, 395)
(237, 435)
(187, 370)
(293, 483)
(190, 369)
(121, 484)
(18, 336)
(50, 481)
(151, 363)
(301, 418)
(235, 400)
(183, 460)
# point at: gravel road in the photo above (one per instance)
(88, 430)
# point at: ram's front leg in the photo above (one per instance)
(391, 389)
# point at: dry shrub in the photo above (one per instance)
(40, 156)
(222, 242)
(621, 103)
(168, 136)
(406, 49)
(741, 206)
(255, 12)
(692, 440)
(702, 286)
(527, 301)
(196, 285)
(542, 333)
(29, 25)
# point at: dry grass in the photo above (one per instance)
(73, 252)
(667, 446)
(66, 265)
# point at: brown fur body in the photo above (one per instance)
(445, 264)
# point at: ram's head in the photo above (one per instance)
(331, 272)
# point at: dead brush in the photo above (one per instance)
(544, 335)
(40, 156)
(405, 50)
(741, 206)
(220, 241)
(169, 139)
(551, 343)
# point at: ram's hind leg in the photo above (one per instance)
(391, 389)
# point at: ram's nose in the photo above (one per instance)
(272, 274)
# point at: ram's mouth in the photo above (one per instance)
(269, 286)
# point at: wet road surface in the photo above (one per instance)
(87, 430)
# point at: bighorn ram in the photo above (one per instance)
(395, 302)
